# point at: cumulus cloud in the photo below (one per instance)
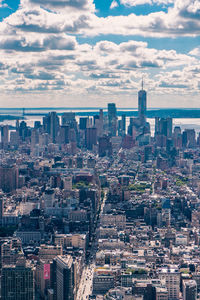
(195, 51)
(40, 51)
(181, 19)
(60, 5)
(142, 2)
(114, 4)
(39, 20)
(3, 4)
(34, 43)
(62, 61)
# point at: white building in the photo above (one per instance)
(170, 277)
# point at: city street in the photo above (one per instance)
(85, 288)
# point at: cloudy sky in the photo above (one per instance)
(81, 53)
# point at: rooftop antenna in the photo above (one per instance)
(142, 83)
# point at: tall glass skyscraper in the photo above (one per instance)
(142, 105)
(112, 119)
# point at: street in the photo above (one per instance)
(85, 288)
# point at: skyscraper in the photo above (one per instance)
(123, 124)
(4, 135)
(112, 119)
(189, 290)
(188, 138)
(163, 126)
(90, 138)
(54, 125)
(105, 146)
(170, 277)
(142, 105)
(64, 277)
(8, 178)
(17, 282)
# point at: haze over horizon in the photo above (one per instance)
(84, 53)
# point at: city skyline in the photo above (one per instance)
(84, 53)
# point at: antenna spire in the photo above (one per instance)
(142, 83)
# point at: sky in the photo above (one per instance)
(85, 53)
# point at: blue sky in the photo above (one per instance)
(85, 53)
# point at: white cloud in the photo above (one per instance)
(183, 19)
(180, 20)
(142, 2)
(2, 4)
(39, 52)
(61, 5)
(114, 4)
(195, 51)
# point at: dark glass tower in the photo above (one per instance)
(142, 105)
(112, 119)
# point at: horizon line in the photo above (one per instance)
(85, 108)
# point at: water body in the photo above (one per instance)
(36, 114)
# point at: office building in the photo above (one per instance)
(4, 135)
(8, 178)
(67, 118)
(54, 125)
(123, 124)
(112, 119)
(142, 106)
(189, 140)
(163, 126)
(64, 278)
(170, 277)
(17, 282)
(64, 134)
(105, 146)
(189, 290)
(90, 138)
(49, 198)
(83, 123)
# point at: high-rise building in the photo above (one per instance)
(8, 178)
(4, 135)
(83, 123)
(54, 125)
(17, 282)
(163, 126)
(70, 120)
(79, 162)
(177, 137)
(10, 251)
(64, 134)
(123, 124)
(34, 138)
(170, 277)
(112, 119)
(189, 290)
(1, 206)
(63, 266)
(49, 198)
(43, 276)
(51, 125)
(68, 117)
(142, 106)
(90, 138)
(189, 139)
(100, 127)
(67, 183)
(105, 146)
(48, 252)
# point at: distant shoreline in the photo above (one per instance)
(18, 114)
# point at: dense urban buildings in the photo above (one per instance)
(100, 207)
